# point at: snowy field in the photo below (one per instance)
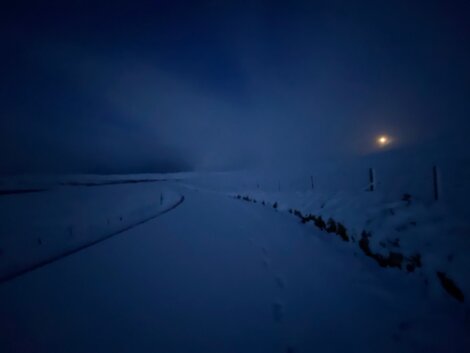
(38, 227)
(217, 273)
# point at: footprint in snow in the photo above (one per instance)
(278, 311)
(404, 325)
(266, 263)
(280, 282)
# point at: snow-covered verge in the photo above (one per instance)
(37, 228)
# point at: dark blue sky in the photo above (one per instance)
(163, 85)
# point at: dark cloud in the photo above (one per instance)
(175, 85)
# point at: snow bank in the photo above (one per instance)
(37, 228)
(406, 227)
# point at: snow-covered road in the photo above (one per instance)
(220, 275)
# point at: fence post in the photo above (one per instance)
(435, 179)
(311, 180)
(371, 179)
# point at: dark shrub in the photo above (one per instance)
(414, 261)
(407, 198)
(395, 259)
(450, 286)
(320, 223)
(364, 243)
(331, 226)
(341, 231)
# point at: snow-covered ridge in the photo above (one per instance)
(37, 228)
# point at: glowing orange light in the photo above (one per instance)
(383, 140)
